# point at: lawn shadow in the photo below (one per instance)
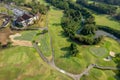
(65, 35)
(37, 34)
(117, 73)
(67, 54)
(56, 24)
(112, 19)
(117, 76)
(55, 8)
(65, 49)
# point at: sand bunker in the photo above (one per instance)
(112, 53)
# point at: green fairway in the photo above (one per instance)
(84, 58)
(37, 35)
(105, 20)
(24, 63)
(44, 43)
(27, 35)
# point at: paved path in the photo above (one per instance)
(106, 67)
(52, 64)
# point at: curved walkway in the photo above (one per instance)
(52, 64)
(74, 76)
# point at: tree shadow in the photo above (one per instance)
(55, 8)
(117, 76)
(65, 49)
(117, 61)
(67, 54)
(63, 34)
(56, 24)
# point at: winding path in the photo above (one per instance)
(52, 63)
(74, 76)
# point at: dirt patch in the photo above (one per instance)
(4, 36)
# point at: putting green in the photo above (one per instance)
(99, 51)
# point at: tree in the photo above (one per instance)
(117, 16)
(0, 45)
(44, 31)
(73, 49)
(117, 61)
(37, 7)
(88, 29)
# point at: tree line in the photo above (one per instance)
(36, 6)
(75, 18)
(18, 2)
(98, 7)
(113, 2)
(117, 16)
(112, 31)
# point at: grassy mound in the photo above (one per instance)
(23, 63)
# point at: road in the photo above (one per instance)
(52, 64)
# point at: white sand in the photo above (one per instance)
(112, 53)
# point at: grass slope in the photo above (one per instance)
(23, 63)
(27, 35)
(77, 64)
(106, 21)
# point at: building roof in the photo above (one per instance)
(24, 17)
(19, 19)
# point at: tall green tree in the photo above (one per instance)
(117, 61)
(73, 49)
(88, 29)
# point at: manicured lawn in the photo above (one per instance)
(106, 21)
(85, 57)
(96, 74)
(44, 41)
(27, 35)
(99, 51)
(24, 63)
